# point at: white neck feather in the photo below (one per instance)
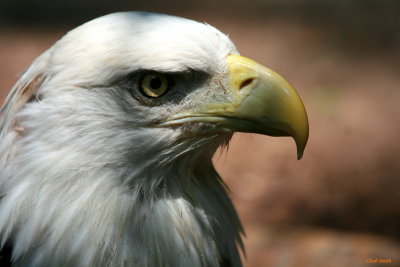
(84, 216)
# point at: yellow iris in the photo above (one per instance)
(154, 84)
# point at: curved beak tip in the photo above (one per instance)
(301, 141)
(300, 152)
(299, 155)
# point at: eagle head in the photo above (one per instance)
(106, 143)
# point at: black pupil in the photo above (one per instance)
(155, 83)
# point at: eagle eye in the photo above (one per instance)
(154, 84)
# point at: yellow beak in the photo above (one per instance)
(268, 101)
(258, 101)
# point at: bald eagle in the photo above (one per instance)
(106, 143)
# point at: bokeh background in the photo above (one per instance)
(339, 205)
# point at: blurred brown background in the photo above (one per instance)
(339, 205)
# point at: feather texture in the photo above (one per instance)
(85, 182)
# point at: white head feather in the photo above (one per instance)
(83, 182)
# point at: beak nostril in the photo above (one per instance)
(245, 83)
